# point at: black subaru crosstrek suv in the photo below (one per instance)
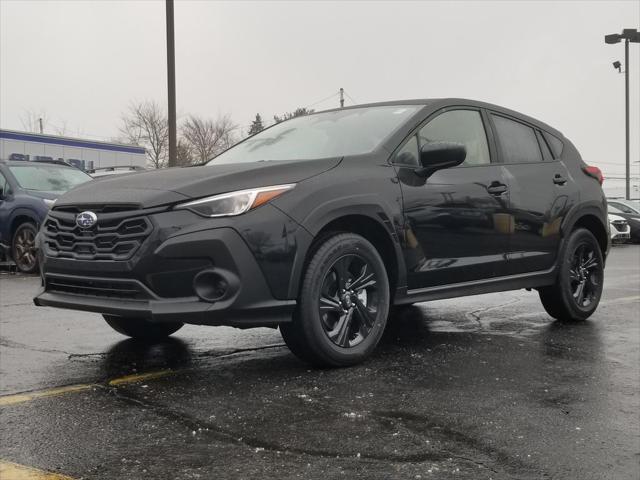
(320, 224)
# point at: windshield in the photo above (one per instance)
(322, 135)
(629, 206)
(48, 178)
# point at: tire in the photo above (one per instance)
(142, 329)
(334, 326)
(23, 248)
(578, 288)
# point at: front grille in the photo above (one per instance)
(620, 225)
(112, 208)
(96, 287)
(116, 236)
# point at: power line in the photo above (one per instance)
(323, 100)
(350, 98)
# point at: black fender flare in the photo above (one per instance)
(595, 209)
(365, 205)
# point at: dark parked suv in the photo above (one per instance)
(27, 191)
(318, 225)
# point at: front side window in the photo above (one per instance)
(338, 133)
(459, 126)
(48, 178)
(408, 154)
(518, 142)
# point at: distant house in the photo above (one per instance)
(84, 154)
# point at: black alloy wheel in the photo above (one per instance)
(585, 275)
(23, 248)
(349, 301)
(343, 303)
(578, 288)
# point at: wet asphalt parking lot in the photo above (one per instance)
(484, 387)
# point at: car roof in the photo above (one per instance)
(436, 103)
(11, 163)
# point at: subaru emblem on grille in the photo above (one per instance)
(86, 219)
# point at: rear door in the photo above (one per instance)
(541, 191)
(456, 226)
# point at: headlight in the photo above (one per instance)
(49, 203)
(235, 203)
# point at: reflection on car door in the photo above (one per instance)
(540, 194)
(456, 226)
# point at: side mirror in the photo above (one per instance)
(436, 156)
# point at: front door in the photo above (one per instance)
(456, 226)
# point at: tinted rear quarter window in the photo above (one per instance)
(555, 143)
(518, 142)
(546, 152)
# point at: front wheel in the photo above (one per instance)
(142, 329)
(23, 248)
(578, 288)
(343, 304)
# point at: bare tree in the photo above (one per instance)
(184, 153)
(208, 138)
(145, 124)
(61, 129)
(31, 120)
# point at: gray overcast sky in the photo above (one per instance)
(82, 62)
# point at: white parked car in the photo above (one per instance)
(620, 229)
(119, 170)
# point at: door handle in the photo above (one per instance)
(497, 188)
(559, 179)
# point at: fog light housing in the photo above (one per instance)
(214, 285)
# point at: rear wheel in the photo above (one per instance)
(23, 248)
(343, 304)
(142, 329)
(578, 287)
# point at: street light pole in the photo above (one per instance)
(628, 35)
(171, 85)
(626, 119)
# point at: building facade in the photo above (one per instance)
(84, 154)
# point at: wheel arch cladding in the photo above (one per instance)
(19, 219)
(594, 225)
(370, 228)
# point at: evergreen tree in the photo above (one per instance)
(299, 112)
(256, 125)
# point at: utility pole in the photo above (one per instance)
(341, 97)
(40, 123)
(628, 35)
(171, 85)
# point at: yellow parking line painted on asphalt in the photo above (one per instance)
(138, 377)
(51, 392)
(633, 298)
(13, 471)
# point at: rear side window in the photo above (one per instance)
(518, 142)
(555, 143)
(546, 153)
(459, 126)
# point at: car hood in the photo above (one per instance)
(615, 218)
(171, 185)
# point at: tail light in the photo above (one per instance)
(594, 172)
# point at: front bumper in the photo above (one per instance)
(157, 283)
